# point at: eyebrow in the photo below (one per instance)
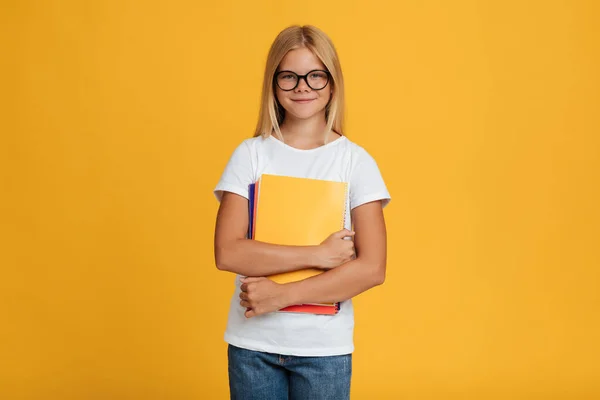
(297, 73)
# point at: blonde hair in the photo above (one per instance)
(271, 113)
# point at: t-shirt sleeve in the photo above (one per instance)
(366, 182)
(238, 173)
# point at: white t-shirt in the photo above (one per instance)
(340, 160)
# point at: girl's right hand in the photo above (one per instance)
(335, 251)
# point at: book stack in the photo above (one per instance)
(297, 212)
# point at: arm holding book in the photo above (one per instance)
(235, 253)
(262, 295)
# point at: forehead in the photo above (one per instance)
(301, 61)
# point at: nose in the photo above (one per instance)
(302, 85)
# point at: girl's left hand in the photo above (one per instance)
(261, 295)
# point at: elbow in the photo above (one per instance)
(378, 274)
(222, 266)
(227, 258)
(221, 260)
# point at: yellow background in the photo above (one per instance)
(117, 118)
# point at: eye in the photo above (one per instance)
(287, 76)
(318, 75)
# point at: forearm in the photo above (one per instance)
(254, 258)
(338, 284)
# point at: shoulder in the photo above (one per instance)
(248, 148)
(358, 153)
(366, 180)
(254, 144)
(250, 143)
(254, 141)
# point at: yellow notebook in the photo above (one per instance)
(298, 212)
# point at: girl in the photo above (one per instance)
(285, 355)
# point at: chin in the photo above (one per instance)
(304, 114)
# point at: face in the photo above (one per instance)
(303, 102)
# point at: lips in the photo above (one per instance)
(302, 101)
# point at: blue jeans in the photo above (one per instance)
(254, 375)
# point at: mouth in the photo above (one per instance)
(302, 101)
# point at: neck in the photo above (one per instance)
(301, 130)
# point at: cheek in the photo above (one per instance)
(282, 97)
(278, 96)
(327, 96)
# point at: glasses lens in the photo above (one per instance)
(317, 80)
(287, 80)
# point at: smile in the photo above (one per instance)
(303, 101)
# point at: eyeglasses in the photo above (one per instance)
(288, 80)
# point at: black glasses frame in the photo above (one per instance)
(301, 77)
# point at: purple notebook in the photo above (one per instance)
(251, 189)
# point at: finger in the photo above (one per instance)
(245, 303)
(343, 233)
(244, 296)
(253, 279)
(249, 313)
(244, 287)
